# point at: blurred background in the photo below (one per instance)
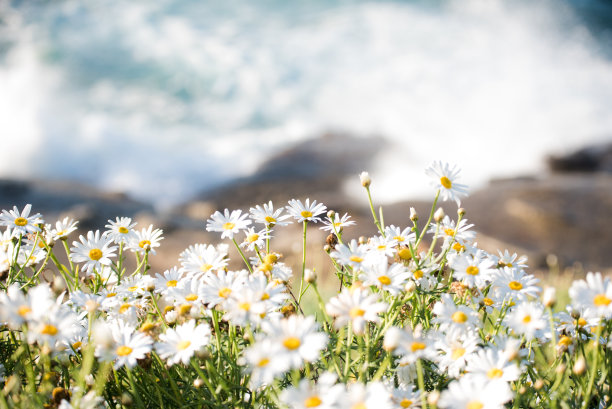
(168, 110)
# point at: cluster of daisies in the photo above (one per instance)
(422, 318)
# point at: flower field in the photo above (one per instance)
(420, 317)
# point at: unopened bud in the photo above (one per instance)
(522, 390)
(539, 384)
(150, 287)
(560, 369)
(59, 284)
(126, 399)
(404, 254)
(362, 240)
(365, 179)
(433, 397)
(413, 214)
(310, 276)
(327, 248)
(410, 286)
(91, 306)
(392, 338)
(271, 258)
(461, 212)
(198, 383)
(579, 366)
(549, 297)
(331, 214)
(439, 215)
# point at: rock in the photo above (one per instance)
(589, 159)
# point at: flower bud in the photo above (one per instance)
(560, 369)
(327, 248)
(198, 383)
(331, 214)
(392, 338)
(539, 384)
(439, 215)
(362, 240)
(461, 212)
(410, 286)
(413, 214)
(549, 297)
(310, 276)
(365, 179)
(579, 366)
(432, 397)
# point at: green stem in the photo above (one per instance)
(242, 255)
(376, 222)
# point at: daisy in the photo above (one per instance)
(95, 251)
(326, 394)
(16, 307)
(391, 278)
(506, 259)
(179, 344)
(353, 255)
(121, 343)
(404, 396)
(493, 363)
(268, 216)
(336, 223)
(455, 349)
(373, 395)
(356, 306)
(515, 284)
(262, 362)
(57, 326)
(255, 239)
(473, 270)
(444, 180)
(121, 230)
(218, 288)
(526, 319)
(401, 237)
(199, 259)
(449, 315)
(21, 223)
(385, 246)
(296, 339)
(245, 306)
(475, 392)
(169, 279)
(593, 296)
(63, 228)
(306, 212)
(450, 231)
(228, 224)
(145, 240)
(412, 345)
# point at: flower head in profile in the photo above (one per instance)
(21, 222)
(306, 212)
(444, 179)
(63, 228)
(228, 224)
(268, 216)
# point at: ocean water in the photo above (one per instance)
(163, 99)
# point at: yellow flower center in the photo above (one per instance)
(404, 254)
(449, 232)
(244, 306)
(515, 285)
(487, 301)
(457, 353)
(474, 404)
(184, 309)
(356, 259)
(263, 362)
(306, 213)
(77, 345)
(183, 345)
(270, 258)
(447, 185)
(123, 230)
(24, 310)
(265, 296)
(494, 373)
(109, 295)
(356, 312)
(21, 221)
(312, 402)
(292, 343)
(229, 226)
(225, 292)
(458, 247)
(581, 322)
(417, 346)
(171, 283)
(526, 319)
(95, 254)
(399, 238)
(405, 403)
(144, 243)
(384, 280)
(459, 317)
(270, 219)
(49, 330)
(124, 308)
(133, 288)
(472, 270)
(565, 340)
(253, 238)
(124, 350)
(205, 267)
(191, 297)
(601, 300)
(359, 405)
(418, 274)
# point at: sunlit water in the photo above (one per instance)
(163, 99)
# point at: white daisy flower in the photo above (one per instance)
(228, 223)
(245, 306)
(401, 237)
(474, 270)
(218, 288)
(57, 326)
(515, 284)
(405, 396)
(444, 179)
(268, 216)
(450, 231)
(180, 344)
(255, 239)
(449, 315)
(493, 363)
(325, 394)
(506, 259)
(122, 344)
(527, 319)
(16, 307)
(169, 279)
(384, 246)
(413, 345)
(373, 395)
(95, 251)
(296, 339)
(121, 230)
(593, 296)
(357, 306)
(391, 278)
(63, 228)
(456, 347)
(337, 223)
(145, 240)
(263, 363)
(199, 259)
(306, 212)
(21, 223)
(353, 254)
(475, 392)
